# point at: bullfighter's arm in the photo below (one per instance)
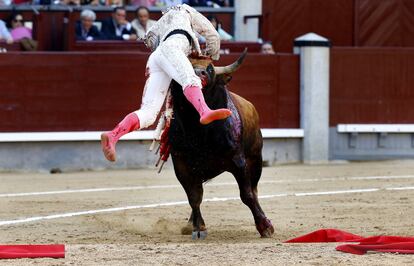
(203, 26)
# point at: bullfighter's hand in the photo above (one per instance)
(205, 57)
(195, 55)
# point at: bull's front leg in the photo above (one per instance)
(195, 197)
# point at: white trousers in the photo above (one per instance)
(169, 61)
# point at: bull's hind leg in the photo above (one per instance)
(247, 176)
(254, 165)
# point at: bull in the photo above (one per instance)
(201, 152)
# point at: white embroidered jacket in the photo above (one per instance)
(186, 18)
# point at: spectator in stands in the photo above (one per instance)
(168, 3)
(92, 2)
(17, 29)
(70, 2)
(197, 2)
(267, 48)
(85, 30)
(20, 33)
(224, 36)
(4, 33)
(210, 3)
(223, 3)
(144, 3)
(44, 2)
(143, 22)
(118, 27)
(22, 2)
(114, 3)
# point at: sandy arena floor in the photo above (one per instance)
(146, 228)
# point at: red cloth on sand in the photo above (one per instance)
(31, 251)
(395, 244)
(326, 235)
(361, 249)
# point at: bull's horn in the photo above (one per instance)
(233, 67)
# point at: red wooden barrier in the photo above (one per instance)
(64, 91)
(271, 83)
(74, 91)
(139, 46)
(285, 20)
(345, 22)
(384, 23)
(372, 85)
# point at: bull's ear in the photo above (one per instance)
(225, 77)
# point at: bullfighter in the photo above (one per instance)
(171, 39)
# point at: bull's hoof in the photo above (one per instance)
(267, 233)
(265, 228)
(199, 235)
(187, 230)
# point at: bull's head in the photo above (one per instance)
(209, 73)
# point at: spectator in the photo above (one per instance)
(168, 3)
(21, 2)
(21, 33)
(224, 36)
(70, 2)
(222, 3)
(85, 30)
(17, 29)
(143, 3)
(4, 33)
(267, 48)
(117, 27)
(210, 3)
(92, 2)
(198, 2)
(114, 3)
(44, 2)
(143, 22)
